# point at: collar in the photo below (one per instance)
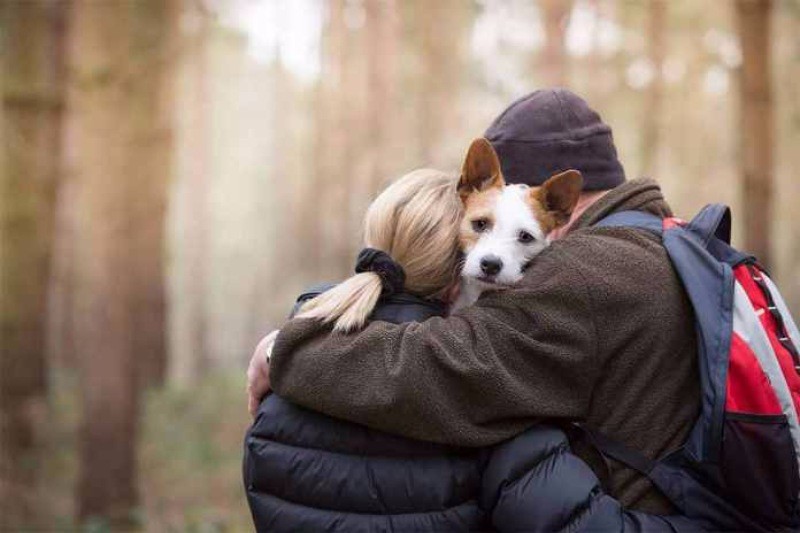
(641, 194)
(397, 308)
(406, 307)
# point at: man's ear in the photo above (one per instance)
(481, 169)
(559, 194)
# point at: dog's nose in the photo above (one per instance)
(491, 265)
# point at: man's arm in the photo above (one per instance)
(475, 378)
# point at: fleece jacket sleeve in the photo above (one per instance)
(475, 378)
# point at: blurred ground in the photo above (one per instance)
(189, 457)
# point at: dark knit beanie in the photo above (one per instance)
(553, 130)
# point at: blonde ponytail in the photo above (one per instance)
(415, 220)
(349, 303)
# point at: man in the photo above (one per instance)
(598, 330)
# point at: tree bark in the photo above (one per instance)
(332, 214)
(382, 26)
(653, 100)
(61, 293)
(757, 125)
(438, 82)
(32, 82)
(154, 24)
(554, 67)
(115, 96)
(189, 359)
(360, 60)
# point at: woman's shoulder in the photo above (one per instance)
(397, 308)
(309, 294)
(315, 290)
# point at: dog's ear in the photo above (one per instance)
(481, 169)
(559, 195)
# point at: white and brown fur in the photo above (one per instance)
(505, 226)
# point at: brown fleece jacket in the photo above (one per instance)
(599, 330)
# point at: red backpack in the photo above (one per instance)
(739, 469)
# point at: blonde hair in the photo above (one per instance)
(415, 220)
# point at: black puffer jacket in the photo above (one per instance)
(309, 472)
(305, 471)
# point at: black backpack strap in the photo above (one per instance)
(579, 436)
(614, 449)
(607, 448)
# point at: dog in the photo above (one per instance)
(505, 227)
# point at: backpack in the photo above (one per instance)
(739, 468)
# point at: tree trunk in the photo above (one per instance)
(189, 359)
(554, 68)
(653, 99)
(154, 24)
(117, 64)
(437, 85)
(757, 125)
(32, 76)
(356, 111)
(382, 26)
(331, 214)
(61, 293)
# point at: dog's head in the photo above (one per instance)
(505, 226)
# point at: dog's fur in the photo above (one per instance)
(506, 226)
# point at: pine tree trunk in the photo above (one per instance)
(188, 359)
(117, 66)
(382, 26)
(757, 125)
(32, 88)
(61, 293)
(102, 133)
(332, 212)
(554, 68)
(655, 93)
(155, 22)
(435, 84)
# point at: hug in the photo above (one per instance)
(522, 349)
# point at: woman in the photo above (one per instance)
(306, 471)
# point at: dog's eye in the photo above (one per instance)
(479, 225)
(525, 238)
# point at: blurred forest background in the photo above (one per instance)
(174, 172)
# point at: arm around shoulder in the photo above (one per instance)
(475, 378)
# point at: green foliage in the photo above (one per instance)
(190, 450)
(190, 457)
(96, 525)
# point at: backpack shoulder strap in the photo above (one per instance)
(709, 285)
(632, 219)
(613, 449)
(714, 220)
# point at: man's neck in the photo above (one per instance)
(584, 202)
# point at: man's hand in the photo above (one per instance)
(258, 372)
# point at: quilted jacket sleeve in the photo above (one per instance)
(535, 483)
